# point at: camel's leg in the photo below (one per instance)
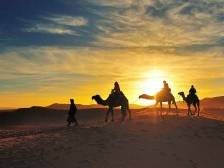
(129, 112)
(189, 110)
(161, 108)
(112, 115)
(169, 103)
(198, 108)
(123, 112)
(155, 107)
(156, 104)
(195, 108)
(107, 114)
(175, 104)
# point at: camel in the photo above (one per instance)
(160, 97)
(114, 101)
(190, 100)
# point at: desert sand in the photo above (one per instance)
(146, 141)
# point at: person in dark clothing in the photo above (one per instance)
(192, 90)
(116, 91)
(116, 88)
(166, 87)
(71, 113)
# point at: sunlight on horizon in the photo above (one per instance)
(153, 83)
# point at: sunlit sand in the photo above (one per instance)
(148, 140)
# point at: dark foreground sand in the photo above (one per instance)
(146, 141)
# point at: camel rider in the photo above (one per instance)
(192, 90)
(116, 90)
(117, 87)
(166, 87)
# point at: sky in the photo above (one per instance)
(54, 50)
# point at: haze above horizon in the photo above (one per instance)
(53, 51)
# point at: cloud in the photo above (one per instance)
(125, 41)
(81, 72)
(52, 29)
(60, 24)
(68, 20)
(119, 63)
(114, 3)
(160, 23)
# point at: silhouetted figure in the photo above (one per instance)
(115, 99)
(166, 87)
(116, 91)
(116, 88)
(164, 95)
(191, 99)
(71, 113)
(192, 90)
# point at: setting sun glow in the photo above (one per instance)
(76, 49)
(153, 84)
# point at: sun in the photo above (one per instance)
(153, 83)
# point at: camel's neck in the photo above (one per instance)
(100, 101)
(184, 97)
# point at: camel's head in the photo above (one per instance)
(95, 97)
(181, 93)
(145, 96)
(99, 100)
(141, 96)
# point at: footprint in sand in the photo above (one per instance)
(193, 164)
(56, 158)
(163, 154)
(221, 138)
(84, 163)
(176, 157)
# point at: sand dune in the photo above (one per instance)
(146, 141)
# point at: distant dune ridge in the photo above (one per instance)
(59, 106)
(212, 102)
(57, 112)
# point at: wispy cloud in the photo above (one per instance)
(160, 23)
(68, 20)
(114, 3)
(86, 71)
(60, 24)
(47, 28)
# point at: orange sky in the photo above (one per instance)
(137, 70)
(76, 49)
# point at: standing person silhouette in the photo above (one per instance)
(72, 113)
